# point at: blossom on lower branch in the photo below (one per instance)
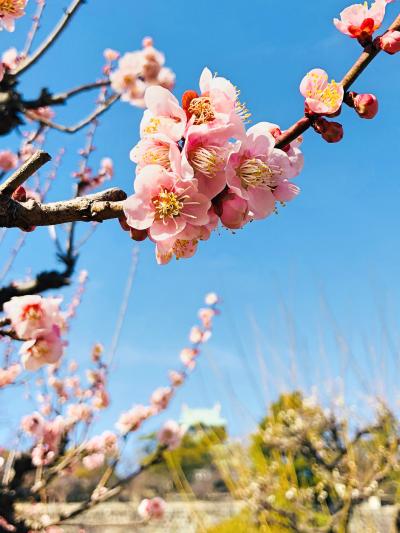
(197, 166)
(39, 322)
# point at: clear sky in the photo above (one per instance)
(308, 295)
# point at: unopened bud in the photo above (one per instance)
(331, 132)
(366, 105)
(138, 234)
(19, 194)
(389, 42)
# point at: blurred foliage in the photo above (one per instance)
(306, 468)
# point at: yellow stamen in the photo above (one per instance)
(167, 205)
(11, 7)
(207, 161)
(256, 173)
(202, 110)
(158, 155)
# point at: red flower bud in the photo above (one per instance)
(331, 132)
(366, 105)
(138, 234)
(19, 194)
(389, 42)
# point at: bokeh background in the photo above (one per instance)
(310, 296)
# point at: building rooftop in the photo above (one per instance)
(206, 417)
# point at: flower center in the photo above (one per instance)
(167, 204)
(256, 173)
(207, 161)
(11, 7)
(153, 126)
(40, 349)
(330, 95)
(158, 155)
(202, 110)
(32, 312)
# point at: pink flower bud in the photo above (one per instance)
(234, 211)
(366, 105)
(331, 132)
(19, 194)
(390, 42)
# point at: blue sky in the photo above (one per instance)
(296, 287)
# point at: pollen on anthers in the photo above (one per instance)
(201, 108)
(167, 205)
(255, 173)
(207, 160)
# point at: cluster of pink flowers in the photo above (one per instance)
(10, 10)
(190, 174)
(138, 70)
(47, 435)
(9, 375)
(39, 321)
(98, 448)
(171, 433)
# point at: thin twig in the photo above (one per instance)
(50, 40)
(25, 171)
(73, 129)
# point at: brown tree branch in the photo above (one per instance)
(50, 40)
(368, 55)
(102, 108)
(32, 165)
(97, 207)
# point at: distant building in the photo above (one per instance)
(206, 418)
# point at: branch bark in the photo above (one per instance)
(32, 165)
(97, 207)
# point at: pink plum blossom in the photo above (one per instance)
(125, 80)
(41, 113)
(257, 171)
(163, 114)
(176, 378)
(188, 356)
(93, 461)
(154, 508)
(10, 58)
(9, 375)
(33, 424)
(161, 398)
(211, 298)
(110, 54)
(33, 315)
(217, 105)
(164, 204)
(204, 157)
(46, 348)
(132, 419)
(157, 149)
(359, 20)
(322, 97)
(10, 10)
(8, 160)
(390, 42)
(79, 412)
(170, 435)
